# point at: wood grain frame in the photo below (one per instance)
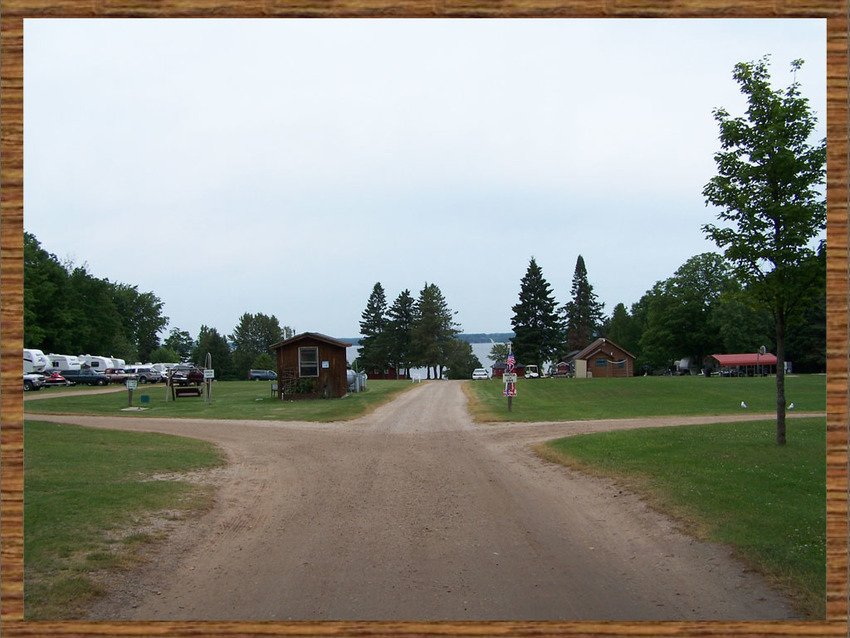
(12, 14)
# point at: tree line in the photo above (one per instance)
(413, 333)
(67, 310)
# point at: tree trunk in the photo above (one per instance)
(780, 377)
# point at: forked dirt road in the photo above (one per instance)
(416, 513)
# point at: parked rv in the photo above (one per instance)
(63, 362)
(34, 361)
(96, 363)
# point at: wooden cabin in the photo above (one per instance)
(602, 358)
(311, 365)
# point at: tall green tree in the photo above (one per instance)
(433, 330)
(253, 336)
(623, 329)
(538, 330)
(679, 311)
(460, 359)
(583, 313)
(771, 202)
(210, 341)
(400, 319)
(181, 342)
(374, 343)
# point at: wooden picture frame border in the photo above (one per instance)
(12, 15)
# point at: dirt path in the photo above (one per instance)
(416, 513)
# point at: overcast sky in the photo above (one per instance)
(285, 166)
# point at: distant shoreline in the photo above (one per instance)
(471, 337)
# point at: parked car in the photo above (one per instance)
(145, 374)
(480, 373)
(85, 376)
(33, 381)
(118, 375)
(262, 375)
(184, 375)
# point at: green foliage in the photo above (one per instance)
(264, 362)
(679, 310)
(400, 320)
(499, 352)
(67, 310)
(181, 342)
(164, 354)
(461, 361)
(254, 335)
(433, 330)
(770, 198)
(732, 486)
(210, 341)
(538, 329)
(583, 313)
(374, 344)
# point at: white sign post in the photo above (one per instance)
(209, 375)
(131, 384)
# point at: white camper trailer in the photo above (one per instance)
(117, 363)
(96, 363)
(34, 361)
(63, 362)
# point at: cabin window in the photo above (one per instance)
(601, 363)
(621, 364)
(308, 362)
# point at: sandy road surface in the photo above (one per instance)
(416, 513)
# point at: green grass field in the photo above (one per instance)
(249, 400)
(728, 483)
(635, 397)
(85, 495)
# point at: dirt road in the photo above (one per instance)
(416, 513)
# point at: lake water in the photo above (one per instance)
(480, 350)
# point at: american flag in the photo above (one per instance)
(511, 362)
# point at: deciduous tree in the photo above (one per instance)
(771, 203)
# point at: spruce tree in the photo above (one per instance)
(538, 329)
(373, 344)
(583, 313)
(400, 318)
(433, 329)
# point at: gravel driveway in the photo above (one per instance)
(416, 513)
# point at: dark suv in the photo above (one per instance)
(262, 375)
(184, 375)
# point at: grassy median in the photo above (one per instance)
(90, 504)
(636, 397)
(251, 400)
(728, 483)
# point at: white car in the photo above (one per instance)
(480, 373)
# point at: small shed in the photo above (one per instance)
(603, 358)
(311, 365)
(500, 367)
(745, 364)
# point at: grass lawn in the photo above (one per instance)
(85, 498)
(583, 399)
(728, 483)
(250, 400)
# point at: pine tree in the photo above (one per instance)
(584, 313)
(373, 345)
(433, 329)
(538, 329)
(400, 317)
